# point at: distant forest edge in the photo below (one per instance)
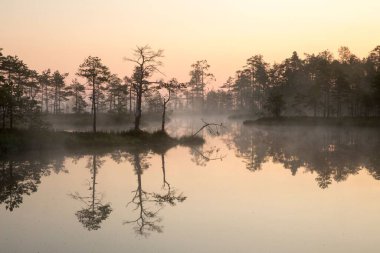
(317, 85)
(315, 121)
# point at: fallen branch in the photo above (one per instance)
(209, 127)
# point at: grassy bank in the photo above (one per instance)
(103, 119)
(316, 121)
(12, 141)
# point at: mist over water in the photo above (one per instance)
(185, 126)
(247, 189)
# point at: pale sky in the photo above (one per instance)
(61, 34)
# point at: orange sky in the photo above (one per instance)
(61, 34)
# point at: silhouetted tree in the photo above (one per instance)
(77, 91)
(199, 77)
(18, 93)
(96, 74)
(275, 104)
(45, 80)
(147, 63)
(170, 88)
(117, 92)
(58, 83)
(228, 88)
(256, 70)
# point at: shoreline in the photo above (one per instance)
(17, 140)
(315, 121)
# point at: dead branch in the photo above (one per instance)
(210, 126)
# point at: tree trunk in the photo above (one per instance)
(130, 100)
(11, 113)
(163, 116)
(93, 105)
(42, 98)
(328, 105)
(55, 100)
(59, 101)
(46, 99)
(138, 109)
(3, 117)
(76, 101)
(110, 103)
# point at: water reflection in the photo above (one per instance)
(124, 195)
(94, 211)
(332, 153)
(148, 204)
(20, 176)
(201, 155)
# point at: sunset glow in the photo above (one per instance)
(61, 34)
(189, 126)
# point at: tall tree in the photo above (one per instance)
(58, 82)
(170, 88)
(128, 84)
(18, 89)
(374, 58)
(228, 87)
(257, 71)
(242, 90)
(45, 80)
(199, 77)
(374, 75)
(117, 94)
(77, 91)
(147, 62)
(96, 74)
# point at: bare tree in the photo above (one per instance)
(147, 62)
(170, 87)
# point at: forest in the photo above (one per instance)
(316, 85)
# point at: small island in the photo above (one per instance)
(17, 140)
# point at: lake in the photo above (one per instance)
(248, 189)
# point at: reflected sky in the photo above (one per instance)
(246, 190)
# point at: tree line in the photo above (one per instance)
(25, 94)
(317, 85)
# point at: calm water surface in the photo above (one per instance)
(249, 189)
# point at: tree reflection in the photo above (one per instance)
(148, 204)
(170, 195)
(147, 220)
(201, 155)
(253, 155)
(21, 176)
(332, 153)
(94, 211)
